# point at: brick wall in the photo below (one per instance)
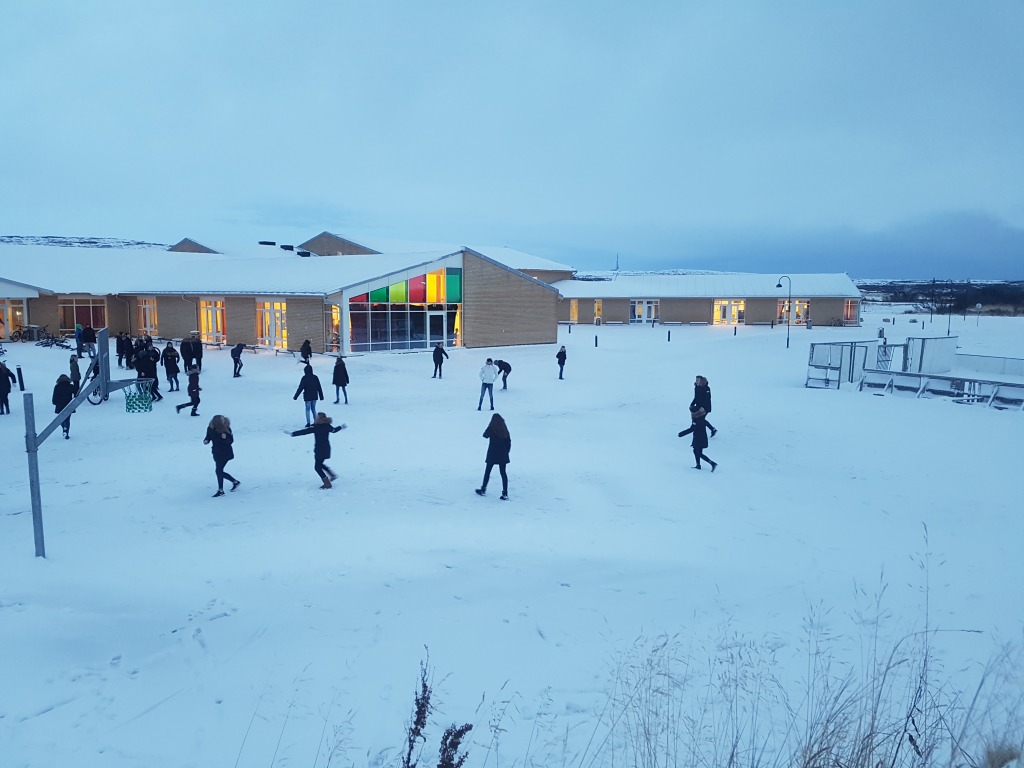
(305, 318)
(240, 319)
(43, 311)
(502, 308)
(686, 310)
(175, 316)
(761, 311)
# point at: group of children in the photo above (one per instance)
(700, 407)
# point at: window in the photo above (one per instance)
(147, 317)
(12, 317)
(800, 308)
(574, 310)
(730, 311)
(85, 310)
(597, 310)
(211, 320)
(272, 324)
(643, 311)
(851, 312)
(400, 315)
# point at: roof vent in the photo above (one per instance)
(267, 242)
(303, 254)
(287, 247)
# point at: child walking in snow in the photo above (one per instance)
(699, 430)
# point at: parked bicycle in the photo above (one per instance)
(47, 339)
(21, 333)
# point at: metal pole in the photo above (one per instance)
(32, 447)
(789, 311)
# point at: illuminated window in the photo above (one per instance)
(397, 293)
(574, 310)
(147, 317)
(597, 309)
(272, 324)
(211, 320)
(730, 311)
(851, 312)
(409, 314)
(435, 287)
(12, 316)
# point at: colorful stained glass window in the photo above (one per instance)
(454, 286)
(362, 298)
(379, 295)
(398, 293)
(435, 286)
(418, 289)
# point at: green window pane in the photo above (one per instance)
(454, 286)
(398, 293)
(379, 295)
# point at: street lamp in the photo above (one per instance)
(789, 304)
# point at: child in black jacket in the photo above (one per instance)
(699, 430)
(321, 431)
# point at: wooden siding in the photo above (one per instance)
(501, 308)
(305, 318)
(686, 310)
(239, 319)
(760, 311)
(326, 244)
(43, 311)
(613, 310)
(548, 275)
(176, 317)
(121, 314)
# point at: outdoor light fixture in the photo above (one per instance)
(789, 304)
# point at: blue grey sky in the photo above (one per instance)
(883, 139)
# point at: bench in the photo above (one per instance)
(763, 322)
(213, 345)
(279, 351)
(698, 322)
(670, 322)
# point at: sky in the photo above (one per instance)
(879, 139)
(281, 624)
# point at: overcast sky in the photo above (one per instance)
(878, 138)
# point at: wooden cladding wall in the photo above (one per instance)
(502, 308)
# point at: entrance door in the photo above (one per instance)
(436, 328)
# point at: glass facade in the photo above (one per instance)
(408, 314)
(730, 311)
(643, 311)
(800, 308)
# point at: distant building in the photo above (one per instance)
(714, 299)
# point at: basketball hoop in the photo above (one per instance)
(138, 398)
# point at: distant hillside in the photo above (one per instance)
(79, 242)
(1003, 297)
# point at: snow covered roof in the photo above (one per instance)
(663, 286)
(149, 271)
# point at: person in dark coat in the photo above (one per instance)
(236, 358)
(188, 352)
(121, 345)
(702, 400)
(560, 357)
(75, 374)
(699, 430)
(505, 369)
(340, 379)
(306, 351)
(63, 393)
(89, 340)
(169, 360)
(311, 391)
(321, 430)
(145, 367)
(439, 355)
(193, 390)
(7, 381)
(497, 453)
(78, 339)
(197, 350)
(220, 440)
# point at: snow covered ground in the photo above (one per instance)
(282, 624)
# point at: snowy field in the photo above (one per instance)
(283, 625)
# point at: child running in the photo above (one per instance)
(321, 431)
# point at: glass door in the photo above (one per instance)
(436, 328)
(211, 321)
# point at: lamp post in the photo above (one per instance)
(949, 305)
(789, 304)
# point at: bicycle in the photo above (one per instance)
(21, 333)
(96, 395)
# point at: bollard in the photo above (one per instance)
(734, 329)
(670, 335)
(570, 329)
(595, 339)
(773, 325)
(21, 379)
